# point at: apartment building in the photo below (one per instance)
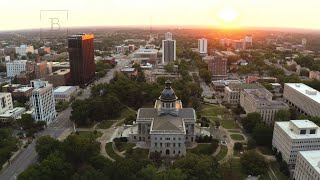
(290, 137)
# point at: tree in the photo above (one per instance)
(169, 67)
(238, 146)
(46, 145)
(217, 123)
(251, 121)
(283, 115)
(253, 163)
(262, 134)
(173, 174)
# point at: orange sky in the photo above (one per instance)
(22, 14)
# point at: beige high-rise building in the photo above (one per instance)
(260, 101)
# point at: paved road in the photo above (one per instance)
(55, 129)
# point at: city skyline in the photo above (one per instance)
(210, 13)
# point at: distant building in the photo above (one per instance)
(260, 101)
(145, 55)
(15, 67)
(81, 57)
(40, 69)
(64, 93)
(5, 102)
(61, 77)
(302, 97)
(25, 77)
(129, 71)
(203, 46)
(217, 66)
(167, 127)
(12, 114)
(43, 101)
(44, 50)
(314, 75)
(290, 137)
(22, 92)
(307, 165)
(168, 49)
(304, 41)
(232, 92)
(10, 87)
(237, 44)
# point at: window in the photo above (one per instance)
(312, 131)
(179, 144)
(303, 131)
(160, 144)
(155, 144)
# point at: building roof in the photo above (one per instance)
(313, 157)
(61, 72)
(12, 85)
(245, 86)
(11, 112)
(4, 94)
(168, 123)
(286, 128)
(304, 124)
(128, 70)
(23, 89)
(305, 90)
(64, 89)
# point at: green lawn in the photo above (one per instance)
(211, 110)
(205, 149)
(125, 113)
(105, 124)
(229, 124)
(233, 170)
(88, 134)
(234, 131)
(222, 153)
(237, 137)
(124, 146)
(111, 153)
(275, 167)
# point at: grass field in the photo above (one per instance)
(138, 153)
(237, 137)
(229, 124)
(211, 110)
(111, 153)
(234, 131)
(105, 124)
(125, 146)
(88, 134)
(125, 113)
(222, 153)
(204, 149)
(275, 167)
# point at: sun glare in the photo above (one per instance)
(228, 15)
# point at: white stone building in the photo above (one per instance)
(260, 101)
(203, 46)
(43, 101)
(293, 136)
(12, 113)
(302, 97)
(15, 67)
(5, 102)
(232, 91)
(64, 93)
(307, 165)
(168, 127)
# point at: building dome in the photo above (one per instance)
(168, 94)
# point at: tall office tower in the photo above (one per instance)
(43, 101)
(217, 66)
(248, 40)
(203, 46)
(304, 41)
(81, 57)
(168, 49)
(168, 36)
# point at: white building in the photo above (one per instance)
(5, 102)
(304, 98)
(12, 113)
(260, 101)
(168, 49)
(64, 93)
(307, 165)
(167, 128)
(203, 46)
(43, 101)
(232, 92)
(290, 137)
(21, 50)
(15, 67)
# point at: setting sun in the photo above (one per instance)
(228, 15)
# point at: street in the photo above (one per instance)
(29, 155)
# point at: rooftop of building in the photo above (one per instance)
(12, 85)
(64, 89)
(4, 94)
(304, 124)
(285, 126)
(61, 72)
(313, 157)
(305, 90)
(245, 86)
(226, 82)
(128, 70)
(11, 112)
(23, 89)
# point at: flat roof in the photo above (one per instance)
(304, 124)
(23, 89)
(313, 157)
(306, 91)
(127, 69)
(12, 85)
(62, 89)
(286, 128)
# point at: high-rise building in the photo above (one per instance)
(43, 101)
(81, 57)
(248, 40)
(203, 46)
(307, 166)
(15, 67)
(168, 49)
(5, 102)
(217, 66)
(290, 137)
(304, 41)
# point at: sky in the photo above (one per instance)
(25, 14)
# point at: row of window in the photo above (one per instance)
(167, 144)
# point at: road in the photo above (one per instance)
(55, 129)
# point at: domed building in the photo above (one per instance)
(167, 127)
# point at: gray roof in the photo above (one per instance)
(153, 113)
(168, 122)
(245, 86)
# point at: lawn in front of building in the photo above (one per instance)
(105, 124)
(237, 137)
(211, 110)
(229, 124)
(204, 149)
(89, 134)
(111, 153)
(222, 153)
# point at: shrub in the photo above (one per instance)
(238, 146)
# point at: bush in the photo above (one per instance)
(204, 139)
(251, 144)
(123, 139)
(238, 146)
